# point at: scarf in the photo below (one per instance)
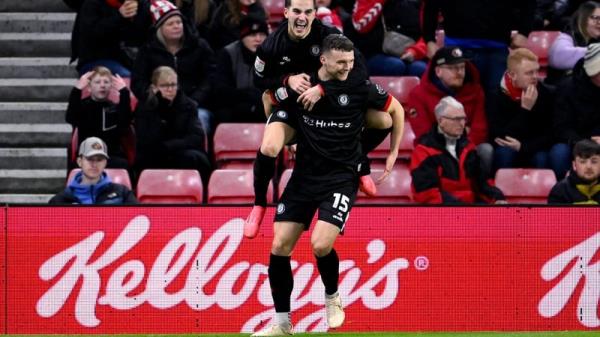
(509, 89)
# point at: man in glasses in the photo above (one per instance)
(445, 166)
(450, 74)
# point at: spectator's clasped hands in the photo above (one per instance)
(129, 8)
(509, 142)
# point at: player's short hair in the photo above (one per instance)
(518, 55)
(337, 42)
(288, 3)
(101, 71)
(586, 148)
(445, 103)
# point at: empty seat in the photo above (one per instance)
(530, 186)
(394, 190)
(379, 154)
(118, 176)
(236, 144)
(275, 9)
(399, 86)
(169, 186)
(539, 43)
(233, 186)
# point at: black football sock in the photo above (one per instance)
(329, 268)
(281, 281)
(264, 170)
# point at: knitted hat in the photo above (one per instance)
(161, 10)
(251, 24)
(93, 146)
(591, 60)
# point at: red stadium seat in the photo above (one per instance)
(379, 154)
(530, 186)
(275, 9)
(170, 186)
(539, 43)
(118, 176)
(394, 190)
(233, 186)
(399, 86)
(236, 144)
(283, 180)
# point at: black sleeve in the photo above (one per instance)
(265, 76)
(557, 195)
(431, 9)
(564, 116)
(124, 108)
(379, 99)
(97, 26)
(193, 136)
(202, 93)
(224, 73)
(140, 75)
(74, 113)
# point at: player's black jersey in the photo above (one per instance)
(329, 135)
(279, 56)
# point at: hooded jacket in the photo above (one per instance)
(104, 192)
(425, 96)
(576, 191)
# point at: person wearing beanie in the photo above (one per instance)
(102, 28)
(174, 43)
(235, 69)
(225, 25)
(577, 108)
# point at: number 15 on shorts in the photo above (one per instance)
(341, 203)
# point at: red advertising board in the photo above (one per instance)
(188, 270)
(2, 268)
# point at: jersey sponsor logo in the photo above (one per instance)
(284, 60)
(343, 99)
(322, 124)
(380, 90)
(259, 65)
(282, 114)
(281, 94)
(315, 50)
(280, 208)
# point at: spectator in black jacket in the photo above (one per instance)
(520, 117)
(168, 132)
(581, 186)
(225, 25)
(92, 186)
(102, 31)
(577, 109)
(97, 116)
(235, 71)
(174, 44)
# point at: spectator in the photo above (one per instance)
(97, 116)
(576, 114)
(167, 128)
(92, 186)
(554, 14)
(330, 14)
(445, 166)
(581, 187)
(173, 44)
(198, 13)
(367, 31)
(450, 73)
(102, 31)
(520, 115)
(235, 70)
(225, 25)
(483, 29)
(570, 45)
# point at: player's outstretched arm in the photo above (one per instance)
(396, 111)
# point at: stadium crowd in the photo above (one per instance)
(158, 77)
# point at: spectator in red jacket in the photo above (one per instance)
(445, 166)
(450, 74)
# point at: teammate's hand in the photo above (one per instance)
(84, 80)
(117, 82)
(310, 97)
(389, 165)
(299, 83)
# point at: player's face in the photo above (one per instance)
(587, 169)
(453, 122)
(92, 167)
(300, 15)
(451, 75)
(525, 74)
(100, 87)
(172, 29)
(338, 63)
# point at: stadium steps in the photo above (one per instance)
(35, 82)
